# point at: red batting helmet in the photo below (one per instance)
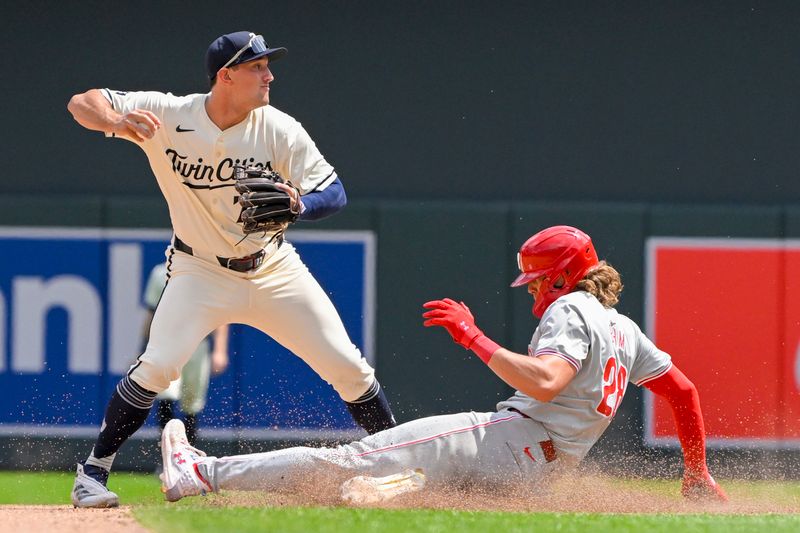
(553, 252)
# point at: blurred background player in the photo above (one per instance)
(571, 381)
(190, 390)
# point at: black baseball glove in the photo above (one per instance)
(265, 206)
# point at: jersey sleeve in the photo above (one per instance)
(155, 286)
(124, 102)
(307, 169)
(650, 363)
(563, 333)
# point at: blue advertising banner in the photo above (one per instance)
(71, 322)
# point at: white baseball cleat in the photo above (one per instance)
(88, 492)
(362, 490)
(180, 477)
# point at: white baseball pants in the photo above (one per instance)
(280, 298)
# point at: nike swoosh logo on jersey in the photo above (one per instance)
(181, 130)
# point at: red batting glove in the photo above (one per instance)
(702, 487)
(455, 317)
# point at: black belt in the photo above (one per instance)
(239, 264)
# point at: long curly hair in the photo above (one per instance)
(603, 282)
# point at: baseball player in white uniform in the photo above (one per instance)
(219, 274)
(580, 360)
(190, 390)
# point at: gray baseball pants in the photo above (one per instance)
(488, 449)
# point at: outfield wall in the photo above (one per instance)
(453, 99)
(467, 251)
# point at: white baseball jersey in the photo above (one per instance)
(608, 350)
(193, 162)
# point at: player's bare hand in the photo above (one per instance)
(138, 125)
(293, 193)
(702, 488)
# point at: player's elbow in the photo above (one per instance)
(684, 389)
(547, 394)
(543, 390)
(74, 103)
(550, 379)
(78, 103)
(689, 392)
(540, 395)
(540, 379)
(679, 393)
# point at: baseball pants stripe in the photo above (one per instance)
(487, 448)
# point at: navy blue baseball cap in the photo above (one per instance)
(238, 47)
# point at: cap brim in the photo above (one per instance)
(273, 54)
(276, 53)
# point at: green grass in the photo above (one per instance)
(198, 515)
(53, 488)
(340, 519)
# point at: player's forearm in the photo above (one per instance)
(318, 205)
(93, 111)
(684, 399)
(525, 374)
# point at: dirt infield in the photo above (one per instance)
(580, 494)
(66, 519)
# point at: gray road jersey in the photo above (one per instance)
(608, 350)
